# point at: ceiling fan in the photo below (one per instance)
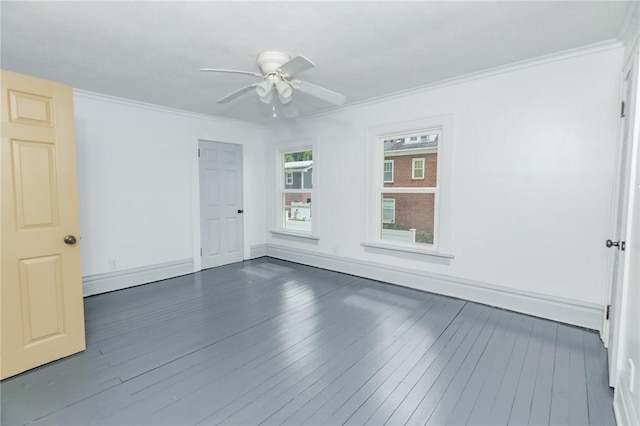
(278, 71)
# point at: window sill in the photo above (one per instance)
(294, 234)
(398, 248)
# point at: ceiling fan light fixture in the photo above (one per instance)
(266, 99)
(283, 100)
(284, 89)
(264, 89)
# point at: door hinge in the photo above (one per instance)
(200, 251)
(622, 109)
(623, 245)
(608, 312)
(198, 152)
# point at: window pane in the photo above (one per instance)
(298, 169)
(413, 218)
(388, 210)
(388, 171)
(297, 211)
(418, 168)
(406, 172)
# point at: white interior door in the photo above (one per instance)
(617, 242)
(221, 211)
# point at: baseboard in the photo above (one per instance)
(623, 404)
(102, 283)
(550, 307)
(259, 250)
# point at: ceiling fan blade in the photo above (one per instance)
(255, 74)
(237, 93)
(296, 65)
(322, 93)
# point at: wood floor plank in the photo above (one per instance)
(458, 369)
(560, 392)
(227, 389)
(330, 397)
(481, 412)
(342, 370)
(599, 397)
(338, 362)
(272, 342)
(443, 409)
(521, 407)
(408, 395)
(541, 402)
(504, 399)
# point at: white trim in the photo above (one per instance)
(407, 152)
(623, 406)
(545, 306)
(277, 232)
(408, 249)
(102, 283)
(138, 104)
(258, 250)
(478, 75)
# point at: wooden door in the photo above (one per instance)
(221, 203)
(42, 317)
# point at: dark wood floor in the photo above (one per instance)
(271, 342)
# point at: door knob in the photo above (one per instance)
(70, 239)
(240, 211)
(613, 243)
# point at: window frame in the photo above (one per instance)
(442, 244)
(413, 168)
(289, 178)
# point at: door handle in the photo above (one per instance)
(613, 243)
(240, 211)
(70, 239)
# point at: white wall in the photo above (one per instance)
(138, 188)
(532, 176)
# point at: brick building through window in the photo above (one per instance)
(410, 162)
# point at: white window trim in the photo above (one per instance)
(279, 150)
(392, 171)
(289, 178)
(413, 168)
(442, 246)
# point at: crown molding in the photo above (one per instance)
(502, 69)
(148, 106)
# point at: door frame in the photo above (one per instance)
(613, 328)
(195, 198)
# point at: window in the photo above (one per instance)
(388, 171)
(388, 210)
(412, 213)
(296, 192)
(417, 168)
(408, 204)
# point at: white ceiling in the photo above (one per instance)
(151, 51)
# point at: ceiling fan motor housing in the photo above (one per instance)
(271, 60)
